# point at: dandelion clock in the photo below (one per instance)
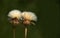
(28, 19)
(14, 16)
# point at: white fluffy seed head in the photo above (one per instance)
(29, 16)
(14, 13)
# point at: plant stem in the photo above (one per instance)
(25, 32)
(13, 32)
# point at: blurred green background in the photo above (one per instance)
(47, 11)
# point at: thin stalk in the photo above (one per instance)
(26, 32)
(13, 32)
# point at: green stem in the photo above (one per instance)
(13, 32)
